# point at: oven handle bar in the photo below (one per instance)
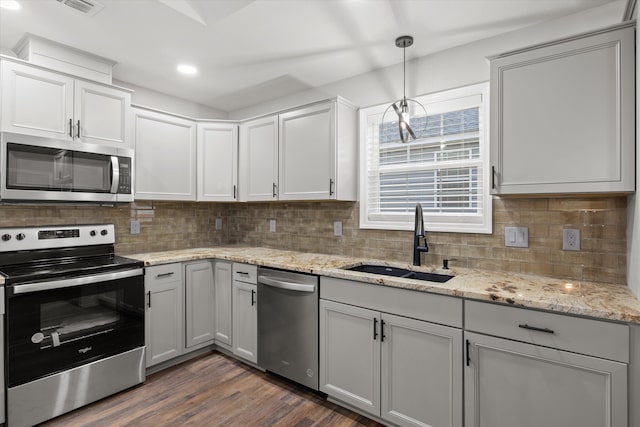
(76, 281)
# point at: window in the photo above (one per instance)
(446, 169)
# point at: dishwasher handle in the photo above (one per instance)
(286, 285)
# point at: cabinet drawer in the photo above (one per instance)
(246, 273)
(164, 273)
(404, 302)
(586, 336)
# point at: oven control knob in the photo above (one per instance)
(103, 232)
(6, 237)
(92, 233)
(20, 236)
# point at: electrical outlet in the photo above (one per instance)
(337, 228)
(272, 226)
(134, 226)
(218, 223)
(571, 239)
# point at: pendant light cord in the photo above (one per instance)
(404, 73)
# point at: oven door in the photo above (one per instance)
(57, 325)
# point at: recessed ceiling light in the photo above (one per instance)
(10, 4)
(187, 69)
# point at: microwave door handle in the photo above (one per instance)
(115, 174)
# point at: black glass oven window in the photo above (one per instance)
(54, 330)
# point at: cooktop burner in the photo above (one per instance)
(29, 254)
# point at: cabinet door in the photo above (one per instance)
(36, 102)
(421, 373)
(199, 305)
(562, 117)
(245, 321)
(307, 146)
(164, 319)
(217, 161)
(508, 383)
(222, 311)
(103, 114)
(350, 355)
(165, 156)
(259, 159)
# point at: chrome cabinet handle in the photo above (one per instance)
(331, 184)
(234, 191)
(78, 130)
(275, 190)
(70, 128)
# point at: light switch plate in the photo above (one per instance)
(134, 226)
(516, 237)
(272, 226)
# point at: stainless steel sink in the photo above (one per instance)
(401, 272)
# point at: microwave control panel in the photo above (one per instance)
(124, 186)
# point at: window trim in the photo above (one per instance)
(433, 222)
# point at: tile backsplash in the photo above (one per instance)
(308, 226)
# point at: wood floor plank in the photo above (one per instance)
(213, 390)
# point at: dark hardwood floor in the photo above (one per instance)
(213, 390)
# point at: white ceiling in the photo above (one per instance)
(251, 51)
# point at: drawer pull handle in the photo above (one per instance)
(149, 297)
(375, 328)
(158, 276)
(382, 335)
(243, 273)
(533, 328)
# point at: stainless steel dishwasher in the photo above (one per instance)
(288, 325)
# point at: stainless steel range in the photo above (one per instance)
(74, 319)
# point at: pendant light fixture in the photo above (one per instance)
(405, 108)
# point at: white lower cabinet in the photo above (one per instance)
(509, 383)
(199, 304)
(180, 309)
(164, 318)
(245, 312)
(403, 370)
(222, 300)
(542, 379)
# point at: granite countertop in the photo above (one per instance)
(598, 300)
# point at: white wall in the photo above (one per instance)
(162, 101)
(633, 202)
(447, 69)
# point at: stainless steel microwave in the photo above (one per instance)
(44, 169)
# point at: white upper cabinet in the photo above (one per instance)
(317, 146)
(563, 116)
(307, 153)
(102, 114)
(259, 159)
(40, 102)
(217, 155)
(165, 156)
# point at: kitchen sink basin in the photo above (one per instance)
(401, 272)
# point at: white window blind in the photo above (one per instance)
(446, 169)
